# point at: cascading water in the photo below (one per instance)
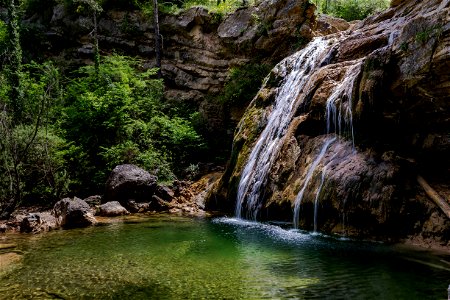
(335, 108)
(343, 92)
(298, 199)
(316, 200)
(264, 153)
(338, 114)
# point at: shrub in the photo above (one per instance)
(117, 116)
(351, 9)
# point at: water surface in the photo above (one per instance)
(166, 257)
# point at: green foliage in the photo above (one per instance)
(351, 9)
(428, 33)
(3, 39)
(244, 83)
(42, 172)
(118, 117)
(69, 138)
(32, 163)
(218, 8)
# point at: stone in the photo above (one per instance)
(93, 200)
(158, 204)
(3, 228)
(38, 222)
(165, 193)
(130, 182)
(136, 207)
(235, 24)
(328, 25)
(72, 213)
(112, 209)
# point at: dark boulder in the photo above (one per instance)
(93, 200)
(38, 222)
(3, 228)
(165, 193)
(129, 182)
(72, 213)
(158, 204)
(136, 207)
(112, 209)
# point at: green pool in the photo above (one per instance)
(166, 257)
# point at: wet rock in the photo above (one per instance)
(93, 200)
(130, 182)
(136, 207)
(165, 193)
(112, 209)
(158, 204)
(327, 25)
(38, 222)
(72, 213)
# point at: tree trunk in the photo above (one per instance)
(441, 203)
(96, 48)
(157, 37)
(16, 95)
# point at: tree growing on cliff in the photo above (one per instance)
(94, 7)
(157, 37)
(14, 58)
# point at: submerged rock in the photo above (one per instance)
(112, 209)
(71, 213)
(130, 182)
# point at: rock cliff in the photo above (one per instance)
(364, 118)
(199, 47)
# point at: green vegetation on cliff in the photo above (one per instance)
(351, 9)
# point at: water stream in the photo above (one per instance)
(167, 257)
(264, 153)
(338, 115)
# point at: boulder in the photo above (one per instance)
(130, 182)
(136, 207)
(3, 228)
(328, 25)
(38, 222)
(158, 204)
(165, 193)
(112, 209)
(72, 213)
(93, 200)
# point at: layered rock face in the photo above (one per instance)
(336, 137)
(199, 47)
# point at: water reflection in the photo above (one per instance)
(179, 258)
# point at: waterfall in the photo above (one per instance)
(316, 200)
(336, 106)
(309, 175)
(264, 153)
(338, 109)
(299, 70)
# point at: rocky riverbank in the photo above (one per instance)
(129, 190)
